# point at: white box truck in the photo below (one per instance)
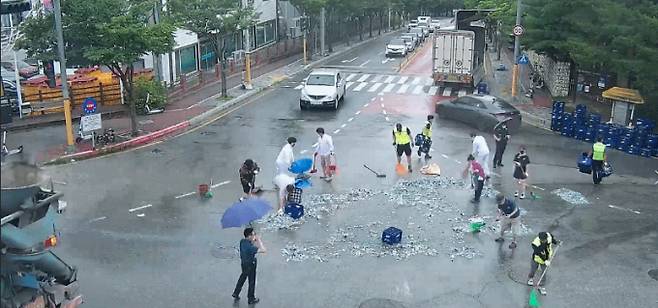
(452, 57)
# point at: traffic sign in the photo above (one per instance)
(91, 122)
(518, 30)
(89, 106)
(523, 59)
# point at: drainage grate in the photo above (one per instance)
(381, 303)
(653, 273)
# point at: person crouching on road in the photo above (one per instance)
(542, 253)
(509, 215)
(402, 142)
(426, 132)
(248, 173)
(250, 245)
(478, 174)
(325, 149)
(286, 156)
(281, 182)
(521, 162)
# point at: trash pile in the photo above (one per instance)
(571, 196)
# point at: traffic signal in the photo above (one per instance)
(10, 7)
(304, 23)
(49, 71)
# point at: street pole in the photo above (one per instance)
(247, 54)
(322, 31)
(517, 46)
(304, 39)
(157, 63)
(63, 77)
(389, 18)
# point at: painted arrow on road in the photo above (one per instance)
(348, 61)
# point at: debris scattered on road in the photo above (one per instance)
(571, 196)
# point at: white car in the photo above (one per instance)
(435, 25)
(409, 42)
(412, 24)
(425, 19)
(396, 47)
(322, 87)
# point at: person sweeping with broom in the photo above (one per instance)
(542, 254)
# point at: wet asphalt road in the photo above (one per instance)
(137, 245)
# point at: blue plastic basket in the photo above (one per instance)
(645, 152)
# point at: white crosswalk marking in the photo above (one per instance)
(299, 87)
(418, 90)
(375, 87)
(447, 91)
(429, 82)
(403, 89)
(433, 90)
(360, 86)
(350, 77)
(348, 84)
(388, 87)
(376, 78)
(461, 93)
(363, 78)
(416, 80)
(402, 79)
(390, 79)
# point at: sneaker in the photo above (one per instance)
(329, 178)
(501, 165)
(323, 176)
(419, 154)
(427, 156)
(516, 194)
(531, 282)
(522, 196)
(500, 239)
(542, 291)
(242, 199)
(512, 245)
(236, 297)
(254, 300)
(475, 200)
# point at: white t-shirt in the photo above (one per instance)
(480, 146)
(286, 156)
(325, 145)
(281, 181)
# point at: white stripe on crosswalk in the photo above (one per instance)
(360, 86)
(350, 77)
(429, 81)
(447, 91)
(390, 79)
(461, 93)
(433, 90)
(363, 78)
(348, 84)
(418, 90)
(299, 87)
(388, 87)
(376, 78)
(403, 89)
(375, 87)
(416, 80)
(402, 79)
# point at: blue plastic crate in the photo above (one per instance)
(622, 145)
(646, 152)
(654, 152)
(652, 141)
(633, 150)
(594, 118)
(392, 235)
(294, 210)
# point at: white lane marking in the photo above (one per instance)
(376, 78)
(496, 174)
(364, 63)
(140, 208)
(381, 99)
(141, 215)
(429, 81)
(447, 91)
(98, 219)
(445, 156)
(337, 131)
(387, 119)
(315, 144)
(350, 119)
(388, 87)
(390, 79)
(416, 80)
(185, 195)
(461, 93)
(375, 87)
(358, 112)
(360, 87)
(366, 104)
(363, 78)
(299, 87)
(59, 183)
(373, 99)
(457, 161)
(219, 184)
(348, 84)
(303, 151)
(350, 60)
(350, 77)
(418, 90)
(384, 112)
(433, 90)
(624, 209)
(382, 104)
(402, 79)
(343, 126)
(537, 187)
(403, 89)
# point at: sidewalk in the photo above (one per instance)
(47, 143)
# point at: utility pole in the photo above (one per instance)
(304, 29)
(517, 46)
(389, 18)
(63, 77)
(322, 31)
(157, 63)
(247, 54)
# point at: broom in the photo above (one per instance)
(533, 301)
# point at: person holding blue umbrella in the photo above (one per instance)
(250, 245)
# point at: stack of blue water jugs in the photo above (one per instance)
(587, 127)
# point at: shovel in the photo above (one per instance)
(379, 175)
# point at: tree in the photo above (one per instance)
(114, 33)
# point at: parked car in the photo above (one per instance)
(435, 25)
(414, 38)
(396, 47)
(412, 24)
(409, 42)
(426, 30)
(7, 74)
(419, 32)
(322, 87)
(24, 70)
(481, 111)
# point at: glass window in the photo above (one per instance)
(188, 59)
(208, 57)
(320, 80)
(265, 33)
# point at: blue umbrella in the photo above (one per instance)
(302, 183)
(301, 165)
(243, 213)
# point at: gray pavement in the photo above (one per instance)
(139, 243)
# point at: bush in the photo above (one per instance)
(143, 87)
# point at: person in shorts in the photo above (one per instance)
(402, 143)
(521, 162)
(509, 215)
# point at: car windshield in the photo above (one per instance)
(396, 42)
(406, 39)
(320, 80)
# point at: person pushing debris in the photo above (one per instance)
(542, 253)
(509, 215)
(481, 152)
(402, 142)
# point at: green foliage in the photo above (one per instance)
(154, 90)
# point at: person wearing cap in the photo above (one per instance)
(248, 173)
(402, 143)
(501, 135)
(286, 156)
(509, 216)
(481, 152)
(478, 174)
(542, 254)
(426, 132)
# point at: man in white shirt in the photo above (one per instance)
(481, 152)
(286, 156)
(324, 149)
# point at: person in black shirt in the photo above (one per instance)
(248, 173)
(501, 135)
(521, 161)
(250, 245)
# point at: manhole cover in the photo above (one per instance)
(381, 303)
(654, 273)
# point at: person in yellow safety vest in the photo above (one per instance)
(542, 253)
(598, 158)
(402, 142)
(426, 132)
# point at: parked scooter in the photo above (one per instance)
(6, 151)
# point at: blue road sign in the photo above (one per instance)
(523, 59)
(89, 106)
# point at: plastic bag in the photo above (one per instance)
(332, 163)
